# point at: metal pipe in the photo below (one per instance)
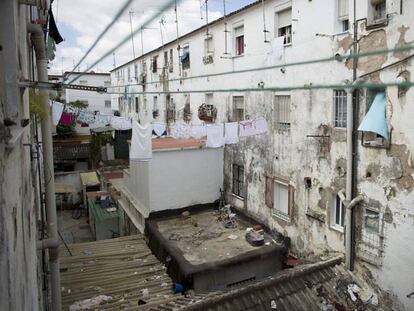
(349, 231)
(37, 38)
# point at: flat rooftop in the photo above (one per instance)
(203, 254)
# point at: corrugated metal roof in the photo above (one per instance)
(123, 268)
(320, 286)
(89, 178)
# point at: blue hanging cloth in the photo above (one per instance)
(185, 56)
(376, 120)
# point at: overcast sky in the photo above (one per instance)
(81, 21)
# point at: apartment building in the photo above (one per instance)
(293, 178)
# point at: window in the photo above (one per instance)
(136, 71)
(209, 98)
(165, 59)
(339, 102)
(107, 104)
(337, 214)
(370, 243)
(281, 199)
(238, 180)
(284, 25)
(171, 68)
(282, 112)
(129, 74)
(208, 45)
(239, 40)
(107, 83)
(154, 64)
(137, 104)
(379, 9)
(238, 108)
(185, 57)
(343, 15)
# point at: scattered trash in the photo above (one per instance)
(352, 290)
(254, 238)
(88, 304)
(273, 305)
(87, 252)
(145, 293)
(232, 237)
(267, 243)
(178, 288)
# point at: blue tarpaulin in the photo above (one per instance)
(376, 120)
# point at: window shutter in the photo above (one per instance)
(285, 18)
(239, 31)
(269, 192)
(375, 2)
(343, 9)
(291, 199)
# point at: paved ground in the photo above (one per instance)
(72, 230)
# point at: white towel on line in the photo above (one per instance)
(215, 135)
(57, 110)
(231, 133)
(141, 142)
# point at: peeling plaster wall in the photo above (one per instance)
(18, 261)
(291, 155)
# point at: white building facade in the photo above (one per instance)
(291, 178)
(97, 102)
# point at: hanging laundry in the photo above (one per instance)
(120, 123)
(66, 119)
(231, 133)
(375, 120)
(247, 128)
(278, 47)
(261, 126)
(141, 143)
(180, 131)
(53, 30)
(198, 131)
(215, 135)
(159, 129)
(86, 117)
(57, 110)
(71, 110)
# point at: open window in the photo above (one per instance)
(283, 21)
(374, 126)
(377, 12)
(239, 40)
(185, 57)
(337, 214)
(208, 50)
(343, 15)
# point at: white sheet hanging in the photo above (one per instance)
(141, 143)
(231, 133)
(278, 47)
(159, 128)
(57, 110)
(198, 131)
(215, 135)
(120, 123)
(180, 131)
(261, 126)
(247, 128)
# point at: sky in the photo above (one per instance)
(81, 21)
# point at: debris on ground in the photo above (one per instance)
(90, 303)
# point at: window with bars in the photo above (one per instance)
(239, 40)
(282, 112)
(154, 64)
(339, 103)
(238, 108)
(238, 180)
(107, 104)
(137, 104)
(284, 25)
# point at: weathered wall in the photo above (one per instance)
(385, 176)
(18, 262)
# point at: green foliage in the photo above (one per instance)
(36, 104)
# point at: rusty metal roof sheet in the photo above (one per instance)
(307, 287)
(122, 268)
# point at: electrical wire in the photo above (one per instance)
(114, 19)
(279, 88)
(165, 7)
(337, 57)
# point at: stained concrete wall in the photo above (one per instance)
(385, 176)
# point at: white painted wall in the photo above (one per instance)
(174, 179)
(292, 155)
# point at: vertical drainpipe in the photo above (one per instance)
(52, 243)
